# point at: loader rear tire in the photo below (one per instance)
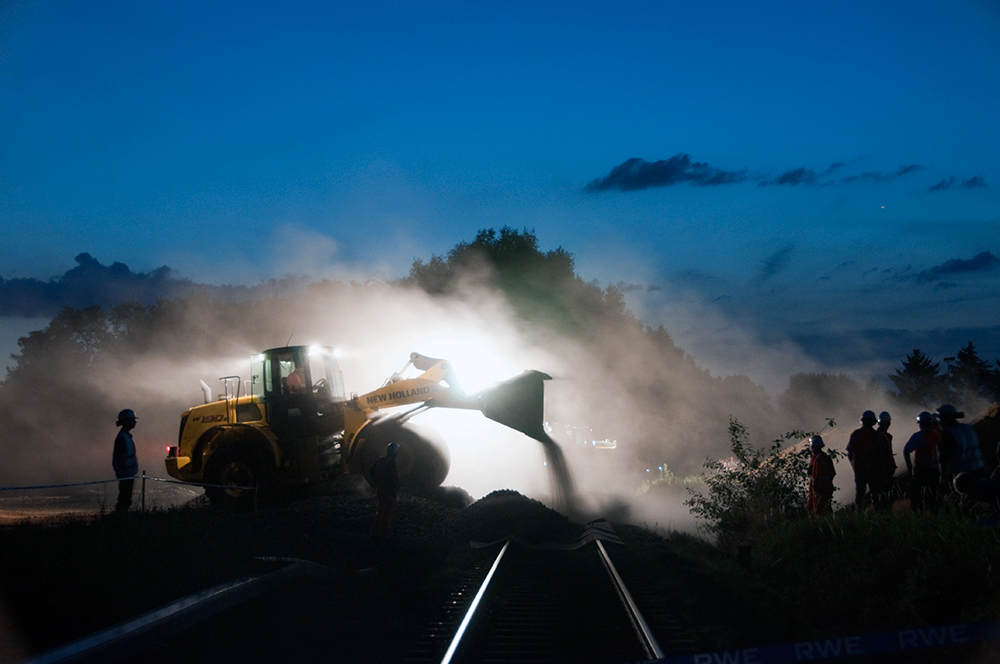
(423, 460)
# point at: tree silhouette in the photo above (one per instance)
(541, 286)
(969, 377)
(919, 382)
(508, 259)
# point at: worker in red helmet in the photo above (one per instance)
(863, 451)
(385, 478)
(821, 473)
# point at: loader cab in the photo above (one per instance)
(302, 390)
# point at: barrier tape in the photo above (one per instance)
(119, 479)
(56, 486)
(883, 643)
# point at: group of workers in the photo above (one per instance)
(943, 455)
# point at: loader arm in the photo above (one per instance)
(516, 403)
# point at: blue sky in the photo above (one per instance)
(799, 168)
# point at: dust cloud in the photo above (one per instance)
(622, 383)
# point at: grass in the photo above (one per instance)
(65, 579)
(844, 575)
(884, 570)
(69, 578)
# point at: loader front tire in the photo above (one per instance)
(232, 468)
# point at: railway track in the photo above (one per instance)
(545, 605)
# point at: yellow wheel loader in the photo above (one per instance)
(294, 424)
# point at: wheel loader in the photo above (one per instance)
(292, 423)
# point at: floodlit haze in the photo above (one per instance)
(764, 179)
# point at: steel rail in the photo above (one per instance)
(644, 643)
(472, 608)
(642, 630)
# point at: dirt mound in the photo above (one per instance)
(507, 513)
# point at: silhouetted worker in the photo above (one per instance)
(888, 456)
(958, 448)
(821, 473)
(124, 461)
(863, 451)
(924, 469)
(386, 480)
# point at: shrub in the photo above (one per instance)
(754, 489)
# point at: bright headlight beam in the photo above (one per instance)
(476, 361)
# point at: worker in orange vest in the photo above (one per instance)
(821, 473)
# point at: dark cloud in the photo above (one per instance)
(775, 263)
(809, 177)
(794, 177)
(947, 183)
(635, 174)
(976, 182)
(91, 283)
(981, 262)
(876, 176)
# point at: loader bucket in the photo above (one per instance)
(518, 403)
